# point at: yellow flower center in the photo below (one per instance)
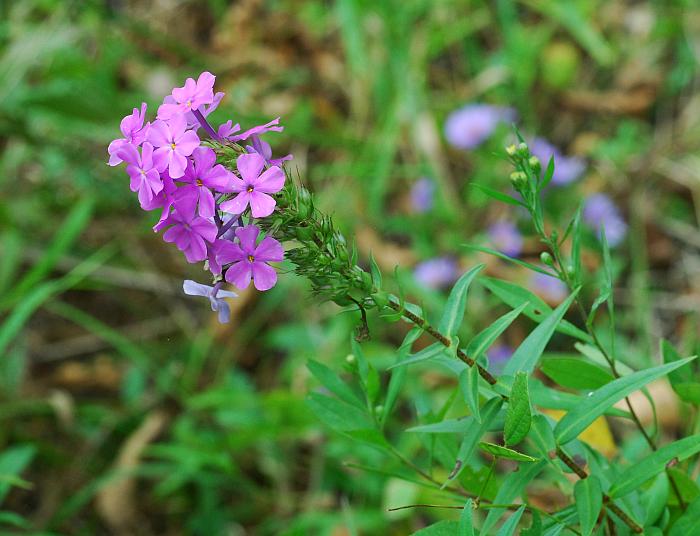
(251, 258)
(173, 145)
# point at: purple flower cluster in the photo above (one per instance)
(598, 211)
(207, 211)
(471, 125)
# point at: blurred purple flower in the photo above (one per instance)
(215, 295)
(437, 272)
(422, 195)
(600, 210)
(550, 288)
(506, 238)
(471, 125)
(566, 168)
(498, 356)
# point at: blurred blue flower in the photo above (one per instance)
(549, 288)
(566, 168)
(599, 210)
(437, 272)
(498, 357)
(471, 125)
(506, 238)
(422, 195)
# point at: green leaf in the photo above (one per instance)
(469, 386)
(576, 247)
(495, 253)
(548, 175)
(337, 414)
(542, 435)
(593, 406)
(398, 376)
(688, 488)
(528, 353)
(376, 272)
(504, 452)
(483, 341)
(333, 383)
(512, 487)
(498, 196)
(536, 528)
(682, 378)
(466, 523)
(508, 528)
(536, 309)
(448, 426)
(474, 433)
(689, 522)
(426, 353)
(589, 501)
(441, 528)
(575, 373)
(456, 302)
(646, 468)
(12, 462)
(518, 413)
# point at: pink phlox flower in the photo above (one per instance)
(189, 97)
(213, 251)
(216, 297)
(174, 144)
(250, 260)
(226, 130)
(253, 187)
(201, 177)
(189, 232)
(145, 179)
(272, 126)
(263, 149)
(134, 132)
(164, 200)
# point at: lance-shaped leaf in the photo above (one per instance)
(682, 380)
(646, 468)
(589, 501)
(519, 413)
(456, 302)
(575, 373)
(334, 384)
(508, 528)
(504, 452)
(594, 405)
(511, 488)
(469, 386)
(429, 352)
(474, 433)
(466, 523)
(689, 522)
(482, 341)
(530, 350)
(537, 310)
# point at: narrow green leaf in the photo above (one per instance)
(469, 386)
(504, 452)
(466, 523)
(448, 426)
(441, 528)
(483, 340)
(535, 529)
(546, 397)
(579, 418)
(589, 501)
(511, 488)
(682, 379)
(331, 381)
(337, 414)
(398, 376)
(689, 522)
(12, 462)
(473, 434)
(575, 373)
(528, 353)
(495, 253)
(518, 413)
(498, 196)
(646, 468)
(456, 302)
(508, 528)
(542, 435)
(375, 272)
(536, 309)
(576, 247)
(426, 353)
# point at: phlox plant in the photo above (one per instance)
(224, 201)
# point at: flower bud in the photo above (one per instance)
(523, 150)
(350, 359)
(511, 150)
(378, 409)
(534, 163)
(546, 258)
(570, 270)
(519, 180)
